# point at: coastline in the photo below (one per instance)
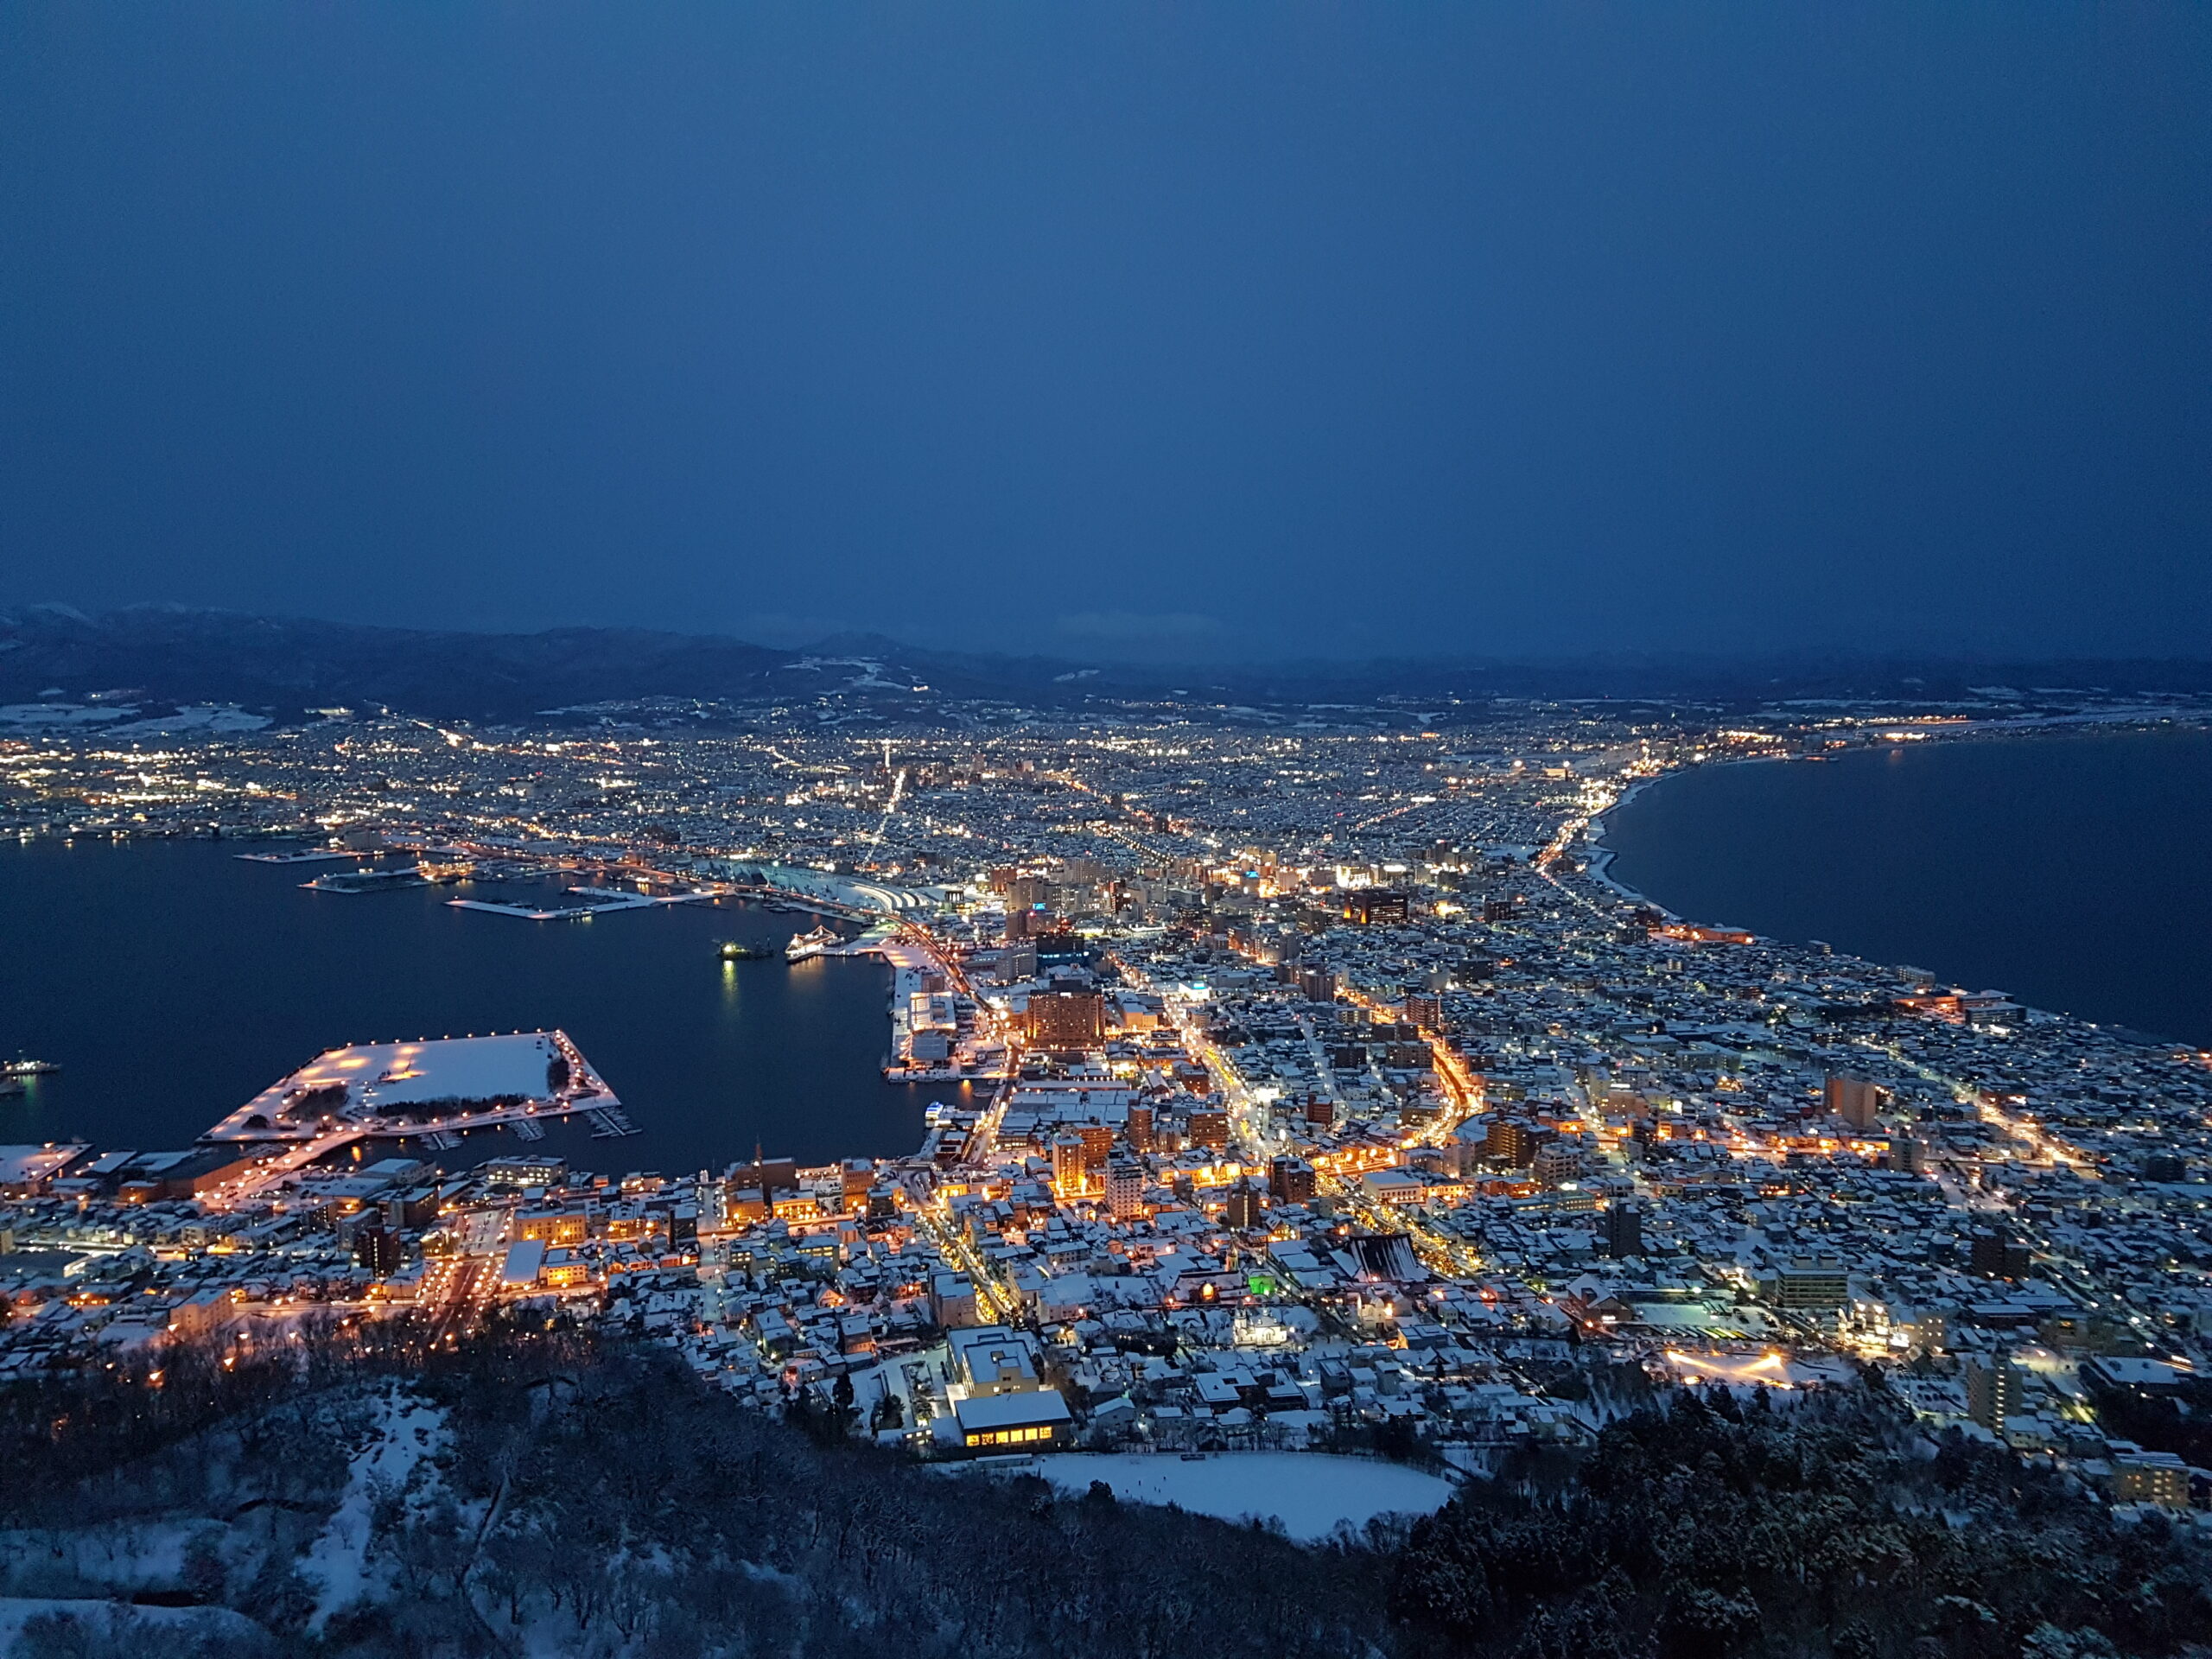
(1967, 931)
(2086, 722)
(706, 1059)
(1600, 862)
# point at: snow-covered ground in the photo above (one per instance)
(1309, 1494)
(54, 716)
(200, 719)
(379, 1077)
(122, 1619)
(403, 1432)
(122, 1556)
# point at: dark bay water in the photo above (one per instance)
(172, 981)
(2070, 870)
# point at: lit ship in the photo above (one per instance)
(804, 945)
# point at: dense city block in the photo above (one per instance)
(1322, 1096)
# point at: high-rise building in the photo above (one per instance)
(952, 1301)
(2141, 1477)
(1244, 1211)
(1812, 1286)
(1625, 1230)
(766, 1175)
(1068, 1171)
(1368, 905)
(1856, 1100)
(1555, 1162)
(1209, 1128)
(1097, 1145)
(1425, 1009)
(1513, 1141)
(1992, 1254)
(1139, 1128)
(1317, 983)
(1124, 1188)
(376, 1249)
(1291, 1180)
(1320, 1111)
(1992, 1389)
(1067, 1019)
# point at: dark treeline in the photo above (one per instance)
(1708, 1530)
(593, 1497)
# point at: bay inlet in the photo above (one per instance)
(2068, 869)
(171, 981)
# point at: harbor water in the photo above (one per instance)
(171, 981)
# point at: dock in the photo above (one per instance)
(367, 880)
(606, 902)
(433, 1091)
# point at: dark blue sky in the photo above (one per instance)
(1208, 328)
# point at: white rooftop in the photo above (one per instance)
(381, 1077)
(26, 1164)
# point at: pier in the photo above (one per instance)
(378, 1091)
(606, 902)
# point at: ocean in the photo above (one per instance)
(2066, 869)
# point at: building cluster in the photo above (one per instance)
(1327, 1089)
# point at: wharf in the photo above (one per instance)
(607, 902)
(433, 1091)
(366, 880)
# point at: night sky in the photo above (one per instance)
(1200, 329)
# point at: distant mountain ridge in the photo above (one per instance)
(283, 665)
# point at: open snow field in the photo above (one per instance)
(1310, 1494)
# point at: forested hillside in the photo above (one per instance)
(554, 1492)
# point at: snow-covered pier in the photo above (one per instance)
(433, 1090)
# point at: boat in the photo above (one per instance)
(29, 1068)
(804, 945)
(733, 951)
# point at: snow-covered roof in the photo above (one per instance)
(463, 1068)
(23, 1165)
(1030, 1407)
(380, 1077)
